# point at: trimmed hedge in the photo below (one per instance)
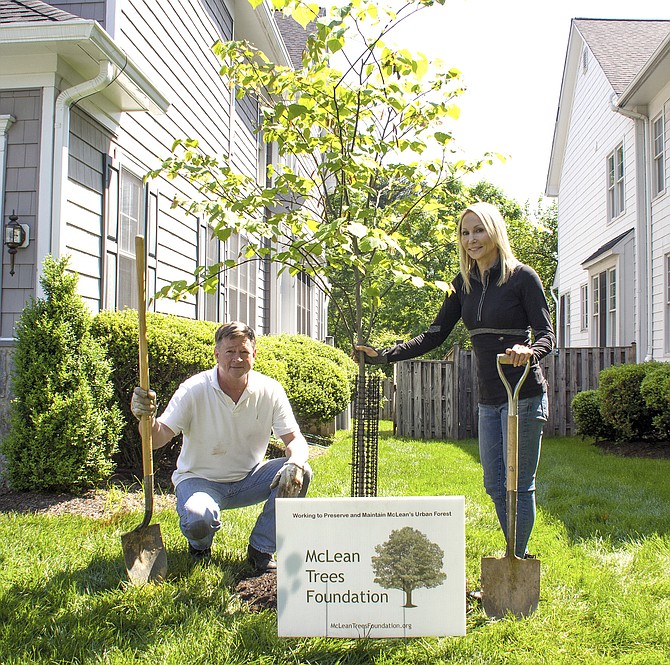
(632, 402)
(587, 416)
(318, 379)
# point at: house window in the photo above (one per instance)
(615, 182)
(564, 321)
(596, 308)
(121, 277)
(211, 299)
(604, 308)
(611, 308)
(584, 307)
(304, 303)
(241, 283)
(658, 167)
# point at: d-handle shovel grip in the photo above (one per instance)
(512, 394)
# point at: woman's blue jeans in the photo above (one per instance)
(533, 413)
(200, 502)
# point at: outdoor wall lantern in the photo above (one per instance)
(16, 237)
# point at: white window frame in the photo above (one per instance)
(658, 155)
(241, 283)
(211, 253)
(304, 290)
(584, 307)
(616, 199)
(120, 270)
(612, 307)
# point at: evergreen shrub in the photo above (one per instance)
(655, 390)
(65, 425)
(621, 403)
(585, 407)
(319, 379)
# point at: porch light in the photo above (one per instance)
(16, 236)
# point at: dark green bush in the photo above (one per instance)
(318, 379)
(655, 390)
(585, 407)
(621, 403)
(65, 425)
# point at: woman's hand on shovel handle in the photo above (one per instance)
(519, 354)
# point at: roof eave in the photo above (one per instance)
(84, 44)
(565, 100)
(649, 80)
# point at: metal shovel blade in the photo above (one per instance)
(144, 554)
(510, 586)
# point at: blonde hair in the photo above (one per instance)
(496, 228)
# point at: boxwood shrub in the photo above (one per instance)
(655, 390)
(589, 421)
(621, 402)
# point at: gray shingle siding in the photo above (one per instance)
(21, 190)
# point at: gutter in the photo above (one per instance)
(647, 219)
(64, 102)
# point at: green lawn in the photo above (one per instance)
(603, 538)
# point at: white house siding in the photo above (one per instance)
(171, 42)
(594, 132)
(84, 219)
(21, 196)
(661, 240)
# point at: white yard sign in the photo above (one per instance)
(371, 567)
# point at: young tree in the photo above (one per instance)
(352, 128)
(408, 561)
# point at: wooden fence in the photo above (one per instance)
(437, 399)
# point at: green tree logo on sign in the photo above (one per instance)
(408, 561)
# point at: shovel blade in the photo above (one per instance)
(144, 554)
(510, 586)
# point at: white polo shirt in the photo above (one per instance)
(223, 440)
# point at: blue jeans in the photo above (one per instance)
(533, 413)
(200, 502)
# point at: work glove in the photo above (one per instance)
(379, 357)
(143, 403)
(289, 480)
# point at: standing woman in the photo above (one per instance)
(503, 306)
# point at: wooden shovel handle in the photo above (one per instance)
(145, 421)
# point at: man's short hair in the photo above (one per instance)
(235, 329)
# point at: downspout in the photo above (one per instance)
(64, 102)
(647, 221)
(554, 296)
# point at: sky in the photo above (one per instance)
(511, 54)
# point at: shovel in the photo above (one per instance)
(510, 585)
(143, 548)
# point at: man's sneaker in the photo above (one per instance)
(199, 556)
(261, 561)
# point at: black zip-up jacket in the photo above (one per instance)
(497, 317)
